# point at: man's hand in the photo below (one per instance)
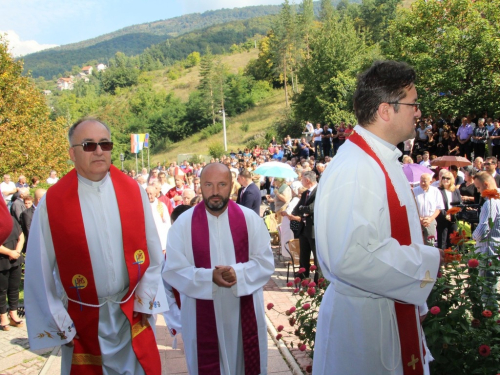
(144, 318)
(72, 342)
(224, 276)
(177, 198)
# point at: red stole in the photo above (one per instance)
(206, 327)
(407, 319)
(77, 277)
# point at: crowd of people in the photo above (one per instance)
(123, 246)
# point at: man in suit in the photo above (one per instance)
(27, 215)
(17, 207)
(490, 166)
(304, 212)
(249, 194)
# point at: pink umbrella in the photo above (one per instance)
(414, 171)
(446, 161)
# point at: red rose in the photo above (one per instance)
(473, 263)
(270, 305)
(487, 313)
(280, 328)
(303, 348)
(309, 369)
(296, 290)
(288, 313)
(289, 284)
(311, 284)
(302, 270)
(311, 292)
(279, 336)
(305, 282)
(306, 306)
(292, 309)
(313, 268)
(297, 280)
(484, 350)
(292, 321)
(476, 323)
(439, 274)
(320, 281)
(435, 310)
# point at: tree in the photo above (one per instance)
(327, 10)
(376, 15)
(453, 45)
(193, 59)
(31, 143)
(306, 21)
(338, 54)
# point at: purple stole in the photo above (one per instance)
(206, 326)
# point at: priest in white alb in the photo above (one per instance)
(93, 266)
(219, 257)
(369, 242)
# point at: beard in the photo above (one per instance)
(216, 206)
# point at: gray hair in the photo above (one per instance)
(73, 127)
(310, 175)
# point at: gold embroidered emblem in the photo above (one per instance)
(79, 281)
(137, 328)
(86, 359)
(139, 257)
(427, 280)
(413, 361)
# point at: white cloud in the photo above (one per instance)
(20, 47)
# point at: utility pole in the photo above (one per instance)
(224, 128)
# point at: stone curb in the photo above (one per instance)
(48, 363)
(289, 358)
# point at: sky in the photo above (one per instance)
(33, 25)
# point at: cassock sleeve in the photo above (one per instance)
(179, 271)
(45, 312)
(150, 288)
(357, 247)
(6, 226)
(254, 274)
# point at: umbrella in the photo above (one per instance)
(446, 161)
(275, 169)
(414, 171)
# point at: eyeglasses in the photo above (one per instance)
(92, 146)
(487, 163)
(415, 105)
(445, 178)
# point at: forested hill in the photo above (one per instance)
(133, 40)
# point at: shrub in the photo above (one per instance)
(216, 149)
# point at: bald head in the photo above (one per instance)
(151, 191)
(216, 184)
(39, 193)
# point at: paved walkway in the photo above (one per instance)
(17, 359)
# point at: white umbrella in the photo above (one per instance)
(276, 169)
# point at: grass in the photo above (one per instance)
(259, 119)
(184, 85)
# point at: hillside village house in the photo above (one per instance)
(87, 70)
(101, 67)
(65, 83)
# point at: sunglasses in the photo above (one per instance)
(445, 178)
(487, 163)
(92, 146)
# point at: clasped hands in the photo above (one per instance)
(426, 221)
(224, 276)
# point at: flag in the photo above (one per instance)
(141, 140)
(146, 141)
(134, 143)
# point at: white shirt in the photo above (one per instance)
(165, 187)
(428, 201)
(426, 163)
(7, 187)
(317, 134)
(52, 181)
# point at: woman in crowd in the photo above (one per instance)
(10, 277)
(468, 190)
(442, 147)
(453, 145)
(447, 224)
(289, 229)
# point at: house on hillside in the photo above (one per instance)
(101, 67)
(87, 70)
(46, 92)
(82, 76)
(65, 83)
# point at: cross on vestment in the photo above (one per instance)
(413, 361)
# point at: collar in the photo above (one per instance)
(95, 185)
(384, 147)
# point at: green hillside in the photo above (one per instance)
(135, 39)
